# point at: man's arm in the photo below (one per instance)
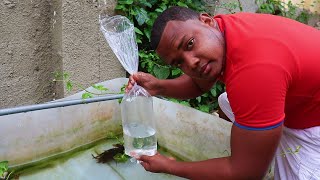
(183, 87)
(252, 153)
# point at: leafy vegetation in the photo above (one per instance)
(285, 9)
(229, 7)
(4, 170)
(65, 78)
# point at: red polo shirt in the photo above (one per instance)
(272, 71)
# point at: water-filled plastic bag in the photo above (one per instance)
(137, 105)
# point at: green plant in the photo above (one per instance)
(206, 102)
(230, 7)
(142, 14)
(65, 78)
(285, 9)
(4, 170)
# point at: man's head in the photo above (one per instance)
(191, 41)
(174, 13)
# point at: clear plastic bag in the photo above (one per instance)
(137, 105)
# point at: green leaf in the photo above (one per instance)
(100, 87)
(159, 10)
(86, 95)
(123, 89)
(69, 86)
(125, 1)
(143, 64)
(138, 31)
(205, 95)
(142, 54)
(219, 86)
(163, 7)
(3, 167)
(182, 4)
(147, 32)
(142, 16)
(174, 100)
(120, 7)
(204, 108)
(185, 103)
(160, 72)
(198, 99)
(153, 2)
(66, 76)
(213, 92)
(176, 72)
(133, 12)
(121, 157)
(147, 4)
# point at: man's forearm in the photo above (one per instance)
(219, 168)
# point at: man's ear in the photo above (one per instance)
(207, 19)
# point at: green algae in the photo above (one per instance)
(54, 160)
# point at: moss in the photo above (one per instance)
(53, 160)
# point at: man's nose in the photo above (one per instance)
(191, 61)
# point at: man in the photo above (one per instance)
(271, 68)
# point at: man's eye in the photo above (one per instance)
(190, 44)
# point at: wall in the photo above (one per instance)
(39, 37)
(25, 49)
(311, 5)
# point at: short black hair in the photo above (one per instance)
(173, 13)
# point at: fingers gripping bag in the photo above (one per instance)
(137, 105)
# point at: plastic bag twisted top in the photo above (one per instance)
(120, 35)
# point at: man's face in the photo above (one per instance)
(195, 46)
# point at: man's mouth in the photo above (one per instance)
(204, 68)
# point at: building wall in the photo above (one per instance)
(39, 37)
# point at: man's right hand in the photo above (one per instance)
(147, 81)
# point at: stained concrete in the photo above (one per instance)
(84, 46)
(26, 52)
